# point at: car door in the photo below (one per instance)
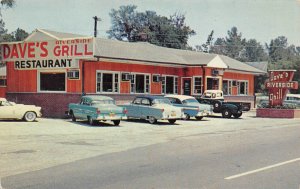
(134, 108)
(7, 110)
(145, 108)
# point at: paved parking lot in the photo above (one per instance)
(32, 146)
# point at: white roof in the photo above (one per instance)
(180, 97)
(2, 99)
(293, 95)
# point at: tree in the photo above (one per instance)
(207, 46)
(234, 43)
(20, 34)
(219, 47)
(133, 26)
(3, 31)
(253, 51)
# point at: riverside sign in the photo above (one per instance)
(279, 83)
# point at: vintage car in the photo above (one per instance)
(153, 108)
(97, 108)
(227, 109)
(11, 110)
(191, 107)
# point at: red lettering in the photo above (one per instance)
(22, 49)
(44, 49)
(77, 53)
(31, 49)
(14, 52)
(6, 51)
(65, 50)
(86, 52)
(56, 51)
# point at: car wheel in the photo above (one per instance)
(152, 120)
(172, 121)
(116, 122)
(226, 113)
(91, 121)
(217, 105)
(186, 117)
(199, 117)
(29, 116)
(73, 117)
(237, 115)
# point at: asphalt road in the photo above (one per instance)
(249, 158)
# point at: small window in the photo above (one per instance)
(126, 77)
(73, 74)
(156, 78)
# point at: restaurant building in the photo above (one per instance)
(2, 81)
(51, 69)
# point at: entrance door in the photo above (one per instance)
(187, 86)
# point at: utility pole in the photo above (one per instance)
(96, 19)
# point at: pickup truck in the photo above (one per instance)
(97, 108)
(228, 109)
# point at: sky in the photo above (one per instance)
(259, 19)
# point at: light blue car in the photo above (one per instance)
(153, 108)
(191, 107)
(97, 108)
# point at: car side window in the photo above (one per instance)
(137, 101)
(184, 102)
(145, 102)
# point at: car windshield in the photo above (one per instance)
(103, 102)
(190, 101)
(161, 101)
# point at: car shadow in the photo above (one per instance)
(96, 125)
(159, 123)
(17, 120)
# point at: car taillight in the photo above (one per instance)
(125, 111)
(162, 110)
(98, 111)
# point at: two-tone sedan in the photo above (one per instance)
(191, 107)
(97, 108)
(153, 108)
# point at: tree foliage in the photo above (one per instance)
(131, 25)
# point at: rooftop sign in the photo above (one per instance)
(47, 54)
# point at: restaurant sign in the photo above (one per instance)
(280, 82)
(47, 54)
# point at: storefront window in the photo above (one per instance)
(140, 83)
(197, 85)
(227, 87)
(243, 88)
(212, 83)
(53, 81)
(169, 85)
(108, 82)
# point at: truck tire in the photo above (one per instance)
(237, 115)
(217, 106)
(29, 116)
(116, 122)
(226, 113)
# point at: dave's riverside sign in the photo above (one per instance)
(279, 83)
(50, 54)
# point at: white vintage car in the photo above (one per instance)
(11, 110)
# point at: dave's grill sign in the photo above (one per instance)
(279, 83)
(47, 54)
